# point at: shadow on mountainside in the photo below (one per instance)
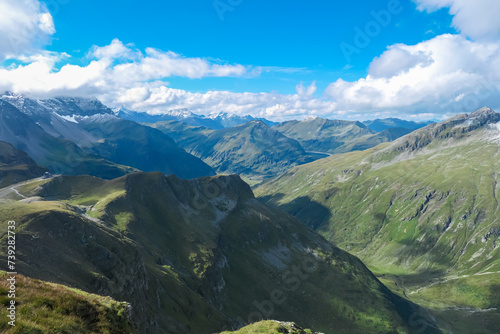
(311, 213)
(428, 252)
(410, 281)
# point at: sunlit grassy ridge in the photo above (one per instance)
(43, 307)
(271, 327)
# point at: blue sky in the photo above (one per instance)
(301, 35)
(278, 59)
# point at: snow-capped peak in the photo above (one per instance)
(16, 100)
(181, 112)
(222, 115)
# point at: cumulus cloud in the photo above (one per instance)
(306, 92)
(448, 72)
(121, 75)
(446, 75)
(396, 61)
(477, 19)
(25, 26)
(156, 98)
(113, 67)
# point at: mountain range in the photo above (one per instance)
(258, 151)
(179, 250)
(214, 121)
(82, 136)
(421, 212)
(336, 136)
(253, 149)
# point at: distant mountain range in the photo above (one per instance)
(82, 136)
(337, 136)
(214, 121)
(257, 151)
(252, 149)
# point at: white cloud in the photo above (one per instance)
(445, 75)
(397, 60)
(448, 73)
(477, 19)
(119, 75)
(115, 50)
(25, 26)
(156, 98)
(306, 92)
(112, 67)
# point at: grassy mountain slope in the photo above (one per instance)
(185, 135)
(253, 149)
(424, 208)
(379, 125)
(335, 136)
(52, 308)
(16, 166)
(196, 256)
(128, 143)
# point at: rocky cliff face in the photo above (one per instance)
(454, 128)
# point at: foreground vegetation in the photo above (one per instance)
(43, 307)
(271, 327)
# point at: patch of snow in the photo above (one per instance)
(494, 133)
(95, 118)
(183, 112)
(67, 118)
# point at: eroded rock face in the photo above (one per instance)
(455, 127)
